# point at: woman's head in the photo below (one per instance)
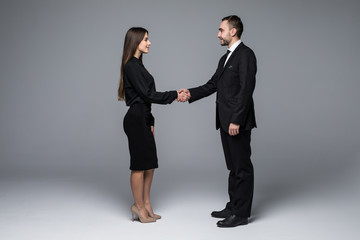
(143, 46)
(135, 40)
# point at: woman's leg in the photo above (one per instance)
(137, 187)
(148, 177)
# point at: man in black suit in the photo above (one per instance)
(234, 83)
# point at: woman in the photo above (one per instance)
(137, 88)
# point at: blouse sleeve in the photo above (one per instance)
(152, 120)
(142, 85)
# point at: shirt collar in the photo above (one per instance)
(232, 48)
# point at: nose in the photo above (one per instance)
(149, 43)
(219, 34)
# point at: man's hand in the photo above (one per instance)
(234, 129)
(183, 95)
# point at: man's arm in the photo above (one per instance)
(247, 71)
(194, 94)
(200, 92)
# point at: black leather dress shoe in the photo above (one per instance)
(221, 214)
(233, 221)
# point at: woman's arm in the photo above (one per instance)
(142, 85)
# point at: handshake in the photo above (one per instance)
(183, 95)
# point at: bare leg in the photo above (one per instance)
(137, 187)
(148, 177)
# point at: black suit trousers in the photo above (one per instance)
(237, 152)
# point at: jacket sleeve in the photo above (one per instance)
(207, 89)
(247, 71)
(142, 84)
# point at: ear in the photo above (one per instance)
(233, 32)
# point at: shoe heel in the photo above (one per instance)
(133, 215)
(135, 212)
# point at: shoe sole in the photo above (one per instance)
(240, 224)
(220, 216)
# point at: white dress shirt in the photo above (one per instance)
(231, 49)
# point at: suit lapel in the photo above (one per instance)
(231, 57)
(223, 58)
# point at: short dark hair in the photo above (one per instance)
(235, 22)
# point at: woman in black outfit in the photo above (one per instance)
(137, 88)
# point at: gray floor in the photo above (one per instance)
(94, 203)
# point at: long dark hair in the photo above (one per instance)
(133, 38)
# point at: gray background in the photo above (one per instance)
(64, 156)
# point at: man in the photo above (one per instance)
(234, 82)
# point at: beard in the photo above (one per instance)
(224, 42)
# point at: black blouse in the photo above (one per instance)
(140, 86)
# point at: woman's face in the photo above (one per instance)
(144, 44)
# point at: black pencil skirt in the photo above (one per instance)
(141, 140)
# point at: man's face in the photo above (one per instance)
(224, 33)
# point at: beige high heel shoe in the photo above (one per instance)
(135, 211)
(155, 215)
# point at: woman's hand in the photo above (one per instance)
(152, 130)
(183, 95)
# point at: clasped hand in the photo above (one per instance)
(183, 95)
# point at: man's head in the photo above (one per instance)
(230, 30)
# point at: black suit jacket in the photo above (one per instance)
(234, 84)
